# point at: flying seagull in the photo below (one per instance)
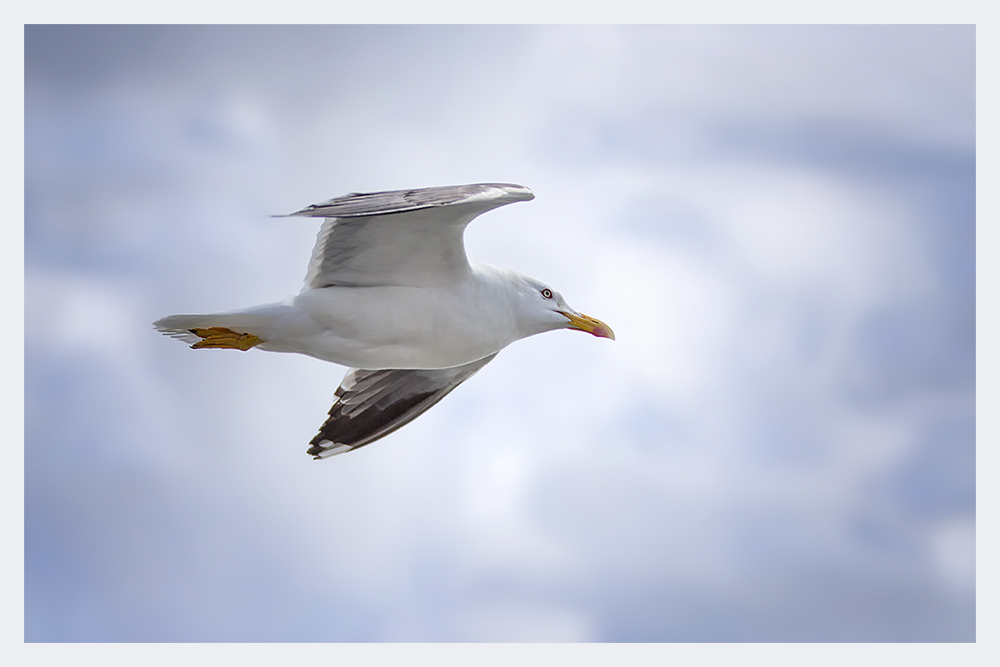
(390, 293)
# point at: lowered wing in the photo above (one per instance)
(372, 404)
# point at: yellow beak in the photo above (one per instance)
(589, 324)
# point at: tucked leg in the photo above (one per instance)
(220, 337)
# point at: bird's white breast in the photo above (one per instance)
(407, 327)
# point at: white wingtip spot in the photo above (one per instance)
(333, 450)
(506, 192)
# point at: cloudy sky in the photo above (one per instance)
(778, 223)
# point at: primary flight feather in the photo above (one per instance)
(390, 293)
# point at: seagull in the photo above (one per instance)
(390, 293)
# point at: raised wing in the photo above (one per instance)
(372, 404)
(400, 237)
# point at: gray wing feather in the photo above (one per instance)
(361, 204)
(400, 237)
(371, 404)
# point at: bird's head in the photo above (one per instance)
(548, 310)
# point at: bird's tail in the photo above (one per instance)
(255, 321)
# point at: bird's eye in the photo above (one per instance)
(547, 293)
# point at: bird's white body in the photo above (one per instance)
(392, 326)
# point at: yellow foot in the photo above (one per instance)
(224, 338)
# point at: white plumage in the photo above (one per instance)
(390, 293)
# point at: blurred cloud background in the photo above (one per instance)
(778, 223)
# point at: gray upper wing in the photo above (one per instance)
(371, 404)
(363, 204)
(400, 237)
